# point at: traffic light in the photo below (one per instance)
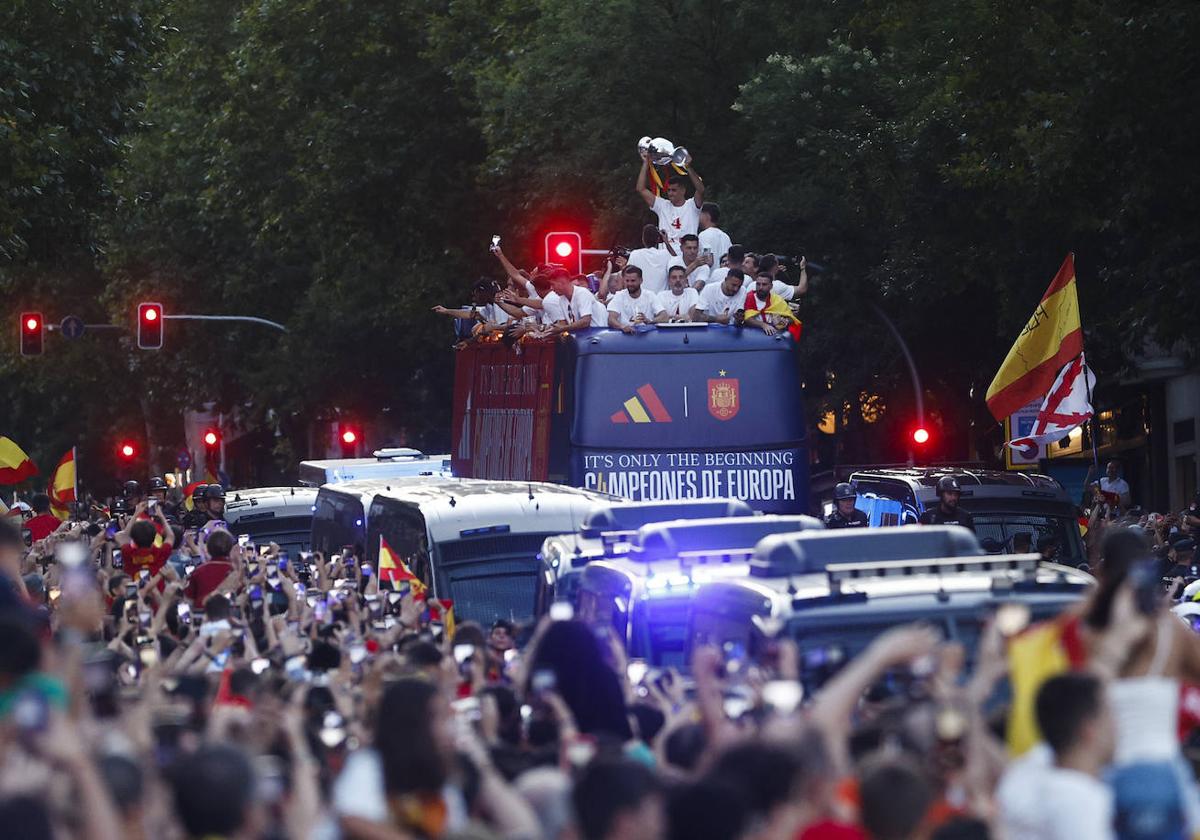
(150, 326)
(566, 249)
(127, 450)
(920, 436)
(32, 332)
(212, 439)
(348, 437)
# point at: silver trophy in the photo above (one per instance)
(663, 152)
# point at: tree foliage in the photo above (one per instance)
(337, 165)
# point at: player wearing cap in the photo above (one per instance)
(845, 514)
(947, 511)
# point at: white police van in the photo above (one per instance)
(281, 515)
(397, 462)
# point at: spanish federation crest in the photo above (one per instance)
(723, 399)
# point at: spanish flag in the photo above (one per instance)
(1034, 656)
(15, 465)
(442, 609)
(1051, 339)
(393, 570)
(61, 489)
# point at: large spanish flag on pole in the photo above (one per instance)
(1051, 339)
(15, 465)
(61, 489)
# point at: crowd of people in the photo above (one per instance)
(162, 676)
(687, 270)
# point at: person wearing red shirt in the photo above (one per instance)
(209, 575)
(138, 550)
(43, 523)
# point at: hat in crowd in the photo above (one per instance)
(1185, 544)
(1176, 538)
(214, 491)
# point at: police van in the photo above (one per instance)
(281, 515)
(611, 529)
(644, 596)
(470, 540)
(834, 592)
(1008, 507)
(397, 462)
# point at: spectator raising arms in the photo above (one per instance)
(677, 214)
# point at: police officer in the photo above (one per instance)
(214, 502)
(845, 514)
(196, 517)
(947, 511)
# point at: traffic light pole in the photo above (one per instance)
(246, 318)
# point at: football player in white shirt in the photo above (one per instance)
(483, 307)
(712, 237)
(632, 306)
(654, 259)
(677, 214)
(576, 308)
(677, 301)
(720, 302)
(699, 266)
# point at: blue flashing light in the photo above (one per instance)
(358, 522)
(490, 529)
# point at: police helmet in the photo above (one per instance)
(157, 483)
(214, 491)
(844, 490)
(132, 488)
(198, 491)
(947, 483)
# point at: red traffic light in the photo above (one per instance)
(150, 326)
(349, 436)
(127, 449)
(211, 438)
(32, 333)
(566, 249)
(920, 435)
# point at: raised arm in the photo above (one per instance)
(643, 176)
(509, 268)
(697, 182)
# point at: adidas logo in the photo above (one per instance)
(646, 407)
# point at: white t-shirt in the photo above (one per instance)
(700, 276)
(678, 305)
(1116, 485)
(1039, 801)
(554, 309)
(654, 263)
(677, 221)
(582, 303)
(628, 307)
(777, 286)
(715, 240)
(715, 303)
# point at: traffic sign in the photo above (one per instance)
(72, 327)
(183, 459)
